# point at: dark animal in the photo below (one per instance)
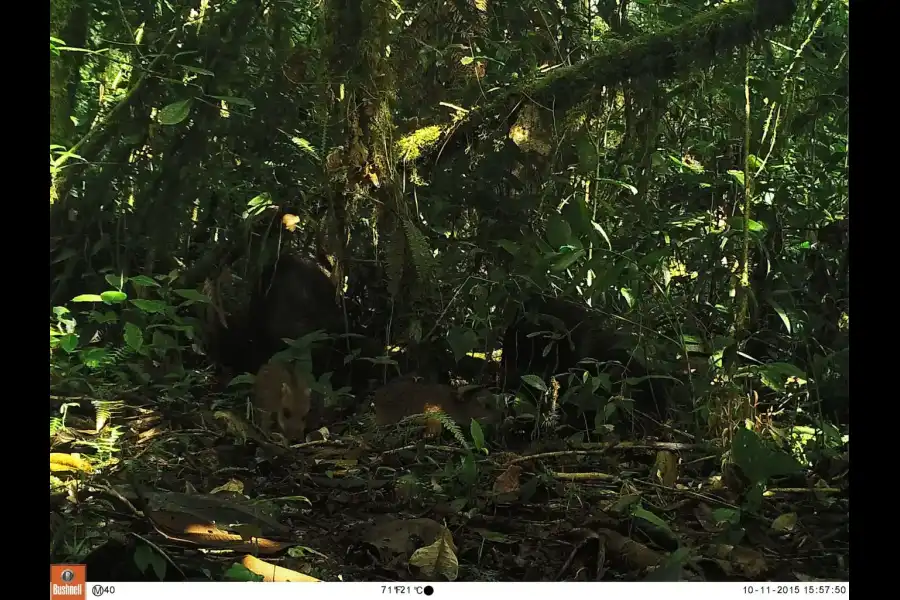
(550, 336)
(292, 297)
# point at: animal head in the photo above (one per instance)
(281, 393)
(293, 409)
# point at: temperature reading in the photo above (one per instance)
(396, 589)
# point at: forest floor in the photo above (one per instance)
(185, 489)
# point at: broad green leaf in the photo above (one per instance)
(69, 343)
(192, 295)
(758, 461)
(94, 357)
(726, 515)
(737, 176)
(134, 337)
(462, 340)
(150, 306)
(559, 233)
(646, 515)
(144, 281)
(87, 298)
(566, 260)
(477, 435)
(782, 314)
(602, 231)
(535, 382)
(175, 113)
(468, 473)
(238, 572)
(754, 226)
(116, 281)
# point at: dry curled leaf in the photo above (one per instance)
(437, 559)
(785, 523)
(508, 481)
(232, 485)
(270, 572)
(666, 468)
(68, 462)
(750, 562)
(186, 528)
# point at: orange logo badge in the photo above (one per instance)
(67, 582)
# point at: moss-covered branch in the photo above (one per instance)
(661, 55)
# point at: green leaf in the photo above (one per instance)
(192, 295)
(782, 314)
(775, 375)
(477, 435)
(163, 341)
(104, 318)
(559, 233)
(462, 340)
(175, 113)
(599, 228)
(646, 515)
(94, 357)
(753, 226)
(737, 176)
(146, 557)
(759, 462)
(468, 473)
(535, 382)
(87, 298)
(134, 337)
(467, 60)
(114, 297)
(566, 260)
(197, 70)
(144, 281)
(150, 306)
(726, 515)
(238, 572)
(116, 281)
(69, 343)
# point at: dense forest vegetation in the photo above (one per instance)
(557, 289)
